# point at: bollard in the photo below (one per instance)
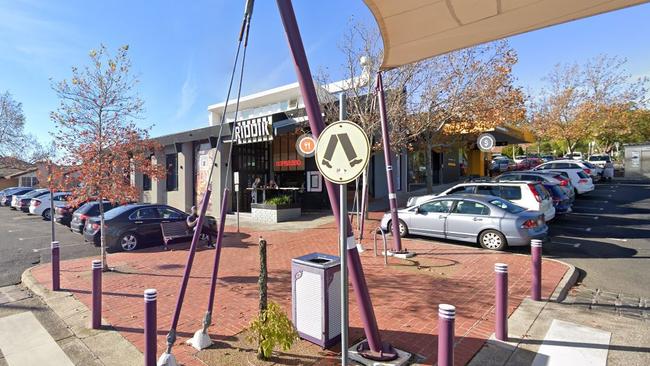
(536, 257)
(56, 277)
(446, 316)
(97, 294)
(150, 325)
(501, 301)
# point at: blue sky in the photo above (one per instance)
(182, 51)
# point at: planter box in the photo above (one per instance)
(272, 214)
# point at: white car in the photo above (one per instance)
(530, 195)
(21, 202)
(41, 205)
(519, 158)
(586, 167)
(574, 156)
(581, 181)
(600, 160)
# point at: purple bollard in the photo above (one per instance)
(56, 274)
(150, 326)
(446, 316)
(97, 294)
(501, 301)
(536, 257)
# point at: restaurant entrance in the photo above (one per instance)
(250, 161)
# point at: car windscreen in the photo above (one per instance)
(507, 205)
(111, 214)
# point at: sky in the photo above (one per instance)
(182, 52)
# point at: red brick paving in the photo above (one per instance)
(405, 300)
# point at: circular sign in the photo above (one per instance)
(342, 152)
(306, 145)
(486, 142)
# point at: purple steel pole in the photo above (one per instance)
(56, 275)
(150, 327)
(364, 202)
(385, 138)
(536, 257)
(377, 350)
(171, 336)
(446, 316)
(96, 321)
(217, 257)
(501, 301)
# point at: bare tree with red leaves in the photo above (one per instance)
(96, 132)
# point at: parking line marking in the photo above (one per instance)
(34, 237)
(588, 208)
(575, 245)
(617, 239)
(62, 246)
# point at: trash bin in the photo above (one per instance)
(316, 298)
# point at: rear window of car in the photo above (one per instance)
(507, 206)
(541, 191)
(510, 192)
(86, 207)
(582, 174)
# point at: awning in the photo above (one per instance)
(413, 30)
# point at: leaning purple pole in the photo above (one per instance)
(501, 301)
(217, 257)
(150, 326)
(96, 316)
(385, 138)
(536, 258)
(374, 348)
(56, 274)
(171, 336)
(446, 320)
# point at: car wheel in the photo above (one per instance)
(492, 239)
(403, 229)
(46, 215)
(128, 242)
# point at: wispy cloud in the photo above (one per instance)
(188, 94)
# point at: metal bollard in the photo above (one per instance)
(97, 294)
(446, 316)
(150, 325)
(501, 301)
(536, 257)
(56, 273)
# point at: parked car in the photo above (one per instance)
(41, 205)
(21, 202)
(500, 164)
(519, 158)
(600, 160)
(85, 211)
(594, 171)
(528, 163)
(8, 194)
(561, 200)
(547, 158)
(530, 195)
(540, 176)
(582, 182)
(8, 189)
(577, 155)
(134, 226)
(493, 222)
(569, 164)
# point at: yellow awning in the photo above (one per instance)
(414, 30)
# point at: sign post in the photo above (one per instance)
(342, 154)
(235, 178)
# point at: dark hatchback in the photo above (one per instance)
(132, 226)
(561, 201)
(86, 211)
(8, 194)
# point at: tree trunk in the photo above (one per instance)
(428, 162)
(102, 235)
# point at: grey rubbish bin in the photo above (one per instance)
(316, 298)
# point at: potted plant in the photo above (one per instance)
(276, 209)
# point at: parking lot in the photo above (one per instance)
(25, 242)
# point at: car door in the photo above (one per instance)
(429, 218)
(169, 214)
(145, 222)
(466, 220)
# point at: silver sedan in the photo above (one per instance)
(491, 221)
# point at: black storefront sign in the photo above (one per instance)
(253, 130)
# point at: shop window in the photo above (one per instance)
(146, 182)
(28, 182)
(172, 171)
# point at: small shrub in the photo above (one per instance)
(279, 201)
(272, 328)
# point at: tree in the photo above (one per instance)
(96, 133)
(595, 100)
(12, 124)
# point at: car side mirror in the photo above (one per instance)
(417, 210)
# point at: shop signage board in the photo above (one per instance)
(342, 152)
(486, 142)
(253, 130)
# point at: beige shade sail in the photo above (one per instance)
(414, 30)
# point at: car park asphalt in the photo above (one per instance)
(25, 242)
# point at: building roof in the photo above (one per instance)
(10, 165)
(418, 29)
(21, 172)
